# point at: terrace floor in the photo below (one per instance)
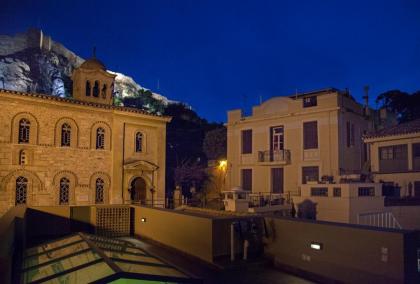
(251, 272)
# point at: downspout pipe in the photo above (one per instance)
(122, 164)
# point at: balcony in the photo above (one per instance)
(272, 157)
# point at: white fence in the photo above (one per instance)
(379, 219)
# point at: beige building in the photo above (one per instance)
(290, 141)
(395, 158)
(81, 150)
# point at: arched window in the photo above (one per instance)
(99, 191)
(24, 128)
(64, 191)
(23, 158)
(100, 138)
(88, 88)
(96, 89)
(139, 142)
(65, 135)
(103, 92)
(21, 190)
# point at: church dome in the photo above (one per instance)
(93, 64)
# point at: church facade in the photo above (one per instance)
(81, 150)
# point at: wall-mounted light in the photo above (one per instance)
(316, 246)
(143, 220)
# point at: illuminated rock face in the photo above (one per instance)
(33, 62)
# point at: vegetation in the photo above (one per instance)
(405, 105)
(214, 144)
(185, 158)
(144, 100)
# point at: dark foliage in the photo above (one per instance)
(144, 100)
(214, 144)
(405, 105)
(184, 140)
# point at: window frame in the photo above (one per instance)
(139, 147)
(64, 191)
(65, 135)
(309, 134)
(249, 179)
(99, 188)
(304, 180)
(21, 184)
(319, 191)
(246, 141)
(100, 138)
(24, 134)
(310, 101)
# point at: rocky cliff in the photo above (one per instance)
(33, 62)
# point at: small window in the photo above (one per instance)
(337, 191)
(21, 190)
(310, 174)
(23, 158)
(246, 175)
(100, 138)
(310, 101)
(24, 128)
(366, 191)
(103, 92)
(319, 191)
(88, 88)
(99, 191)
(65, 135)
(247, 141)
(310, 135)
(386, 153)
(139, 142)
(350, 134)
(96, 89)
(64, 191)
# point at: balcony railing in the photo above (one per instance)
(274, 156)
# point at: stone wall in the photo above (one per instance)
(47, 161)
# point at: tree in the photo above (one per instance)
(405, 105)
(215, 142)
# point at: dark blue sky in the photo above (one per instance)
(213, 54)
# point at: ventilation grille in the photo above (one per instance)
(113, 221)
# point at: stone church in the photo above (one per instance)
(79, 151)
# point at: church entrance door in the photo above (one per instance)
(138, 190)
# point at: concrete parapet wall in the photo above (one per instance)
(349, 253)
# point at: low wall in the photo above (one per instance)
(185, 232)
(12, 242)
(195, 233)
(349, 253)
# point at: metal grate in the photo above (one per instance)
(113, 221)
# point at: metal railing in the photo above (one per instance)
(274, 156)
(263, 199)
(379, 219)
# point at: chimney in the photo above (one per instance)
(366, 100)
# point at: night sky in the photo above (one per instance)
(221, 55)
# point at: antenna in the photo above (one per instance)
(94, 52)
(296, 93)
(260, 99)
(158, 84)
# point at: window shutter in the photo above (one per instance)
(247, 141)
(310, 135)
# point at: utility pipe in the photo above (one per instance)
(246, 245)
(232, 241)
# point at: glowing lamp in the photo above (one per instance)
(222, 164)
(316, 246)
